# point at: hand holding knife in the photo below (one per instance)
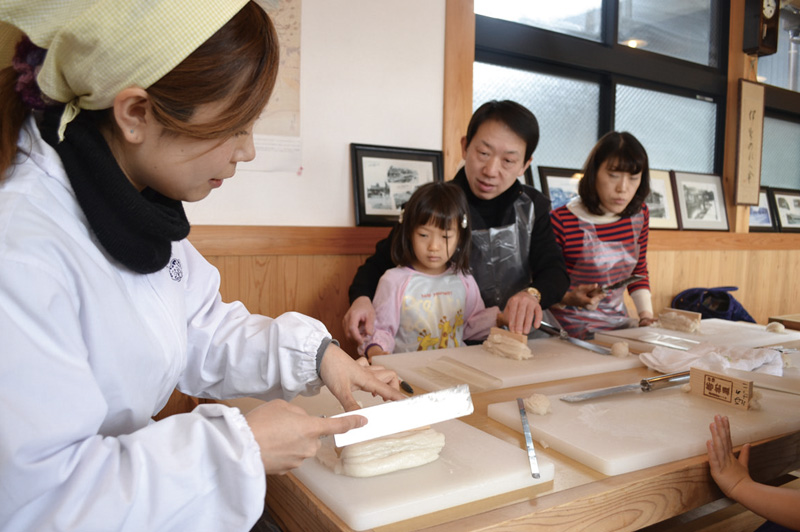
(605, 289)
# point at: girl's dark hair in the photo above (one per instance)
(623, 153)
(518, 118)
(439, 204)
(238, 65)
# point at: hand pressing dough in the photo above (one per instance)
(505, 344)
(384, 455)
(537, 404)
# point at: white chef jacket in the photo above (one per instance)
(89, 351)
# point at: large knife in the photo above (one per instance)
(526, 429)
(622, 283)
(562, 334)
(397, 416)
(645, 385)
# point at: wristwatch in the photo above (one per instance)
(534, 292)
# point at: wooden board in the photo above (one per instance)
(630, 431)
(713, 331)
(473, 466)
(790, 321)
(553, 359)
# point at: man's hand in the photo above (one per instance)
(522, 310)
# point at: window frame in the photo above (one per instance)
(608, 63)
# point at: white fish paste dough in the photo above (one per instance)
(404, 450)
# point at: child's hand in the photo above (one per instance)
(501, 320)
(375, 350)
(728, 472)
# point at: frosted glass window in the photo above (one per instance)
(685, 29)
(780, 156)
(677, 132)
(566, 108)
(579, 18)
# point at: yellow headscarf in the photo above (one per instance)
(96, 48)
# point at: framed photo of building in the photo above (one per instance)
(661, 201)
(762, 217)
(385, 177)
(559, 184)
(787, 209)
(701, 201)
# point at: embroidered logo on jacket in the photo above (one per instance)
(175, 270)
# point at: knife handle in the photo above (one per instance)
(662, 381)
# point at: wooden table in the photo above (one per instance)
(579, 498)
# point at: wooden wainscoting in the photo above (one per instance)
(273, 270)
(309, 269)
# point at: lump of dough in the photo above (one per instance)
(776, 327)
(678, 322)
(384, 455)
(620, 349)
(503, 346)
(537, 404)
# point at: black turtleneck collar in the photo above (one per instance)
(137, 229)
(492, 212)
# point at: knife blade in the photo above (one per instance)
(645, 385)
(562, 334)
(620, 284)
(526, 429)
(397, 416)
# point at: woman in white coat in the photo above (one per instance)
(126, 110)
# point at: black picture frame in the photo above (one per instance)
(559, 184)
(701, 201)
(661, 201)
(384, 177)
(762, 216)
(786, 205)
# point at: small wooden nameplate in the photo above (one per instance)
(721, 388)
(514, 336)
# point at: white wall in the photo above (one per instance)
(372, 72)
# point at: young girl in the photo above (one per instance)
(430, 300)
(603, 235)
(105, 308)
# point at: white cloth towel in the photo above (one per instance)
(715, 358)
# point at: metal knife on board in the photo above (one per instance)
(620, 284)
(562, 334)
(526, 429)
(645, 385)
(418, 411)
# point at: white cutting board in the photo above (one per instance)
(631, 431)
(553, 359)
(714, 331)
(472, 466)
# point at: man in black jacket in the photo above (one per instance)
(515, 258)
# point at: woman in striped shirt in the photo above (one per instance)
(603, 235)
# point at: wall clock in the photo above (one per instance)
(761, 26)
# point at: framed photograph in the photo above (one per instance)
(559, 184)
(661, 201)
(701, 201)
(385, 177)
(762, 218)
(787, 209)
